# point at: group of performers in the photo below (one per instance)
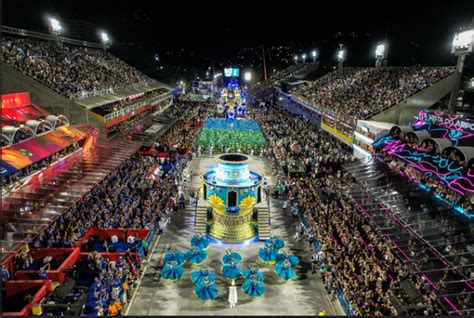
(174, 259)
(253, 285)
(273, 253)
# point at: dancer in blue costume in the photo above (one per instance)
(198, 275)
(283, 269)
(172, 271)
(229, 255)
(253, 271)
(294, 260)
(277, 243)
(253, 287)
(231, 271)
(195, 255)
(207, 290)
(174, 255)
(268, 253)
(200, 241)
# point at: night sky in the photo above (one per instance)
(190, 37)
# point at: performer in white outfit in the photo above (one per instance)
(232, 295)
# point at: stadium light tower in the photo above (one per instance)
(55, 26)
(463, 43)
(314, 54)
(341, 56)
(104, 37)
(380, 54)
(248, 76)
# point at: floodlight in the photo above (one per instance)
(295, 57)
(380, 51)
(314, 53)
(55, 25)
(340, 55)
(303, 57)
(105, 38)
(247, 76)
(463, 41)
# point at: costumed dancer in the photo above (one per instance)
(172, 271)
(293, 259)
(231, 271)
(283, 269)
(195, 255)
(253, 271)
(174, 255)
(207, 290)
(253, 286)
(229, 255)
(277, 243)
(199, 275)
(200, 241)
(268, 253)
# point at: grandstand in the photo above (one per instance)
(323, 190)
(80, 80)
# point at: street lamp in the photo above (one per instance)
(314, 53)
(295, 58)
(55, 26)
(462, 45)
(303, 57)
(380, 54)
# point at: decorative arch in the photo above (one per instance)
(57, 121)
(39, 126)
(399, 132)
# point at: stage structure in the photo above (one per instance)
(233, 191)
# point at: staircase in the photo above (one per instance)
(201, 218)
(263, 223)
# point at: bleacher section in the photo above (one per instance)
(392, 94)
(430, 236)
(87, 84)
(32, 139)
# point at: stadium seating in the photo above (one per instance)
(358, 93)
(73, 71)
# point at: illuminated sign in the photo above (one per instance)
(15, 100)
(446, 121)
(458, 178)
(231, 72)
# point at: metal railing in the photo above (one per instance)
(50, 37)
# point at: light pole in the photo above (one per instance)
(462, 46)
(55, 28)
(247, 76)
(380, 54)
(341, 56)
(104, 37)
(303, 57)
(296, 59)
(314, 53)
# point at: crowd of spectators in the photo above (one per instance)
(356, 93)
(15, 179)
(72, 71)
(128, 197)
(431, 182)
(352, 256)
(119, 105)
